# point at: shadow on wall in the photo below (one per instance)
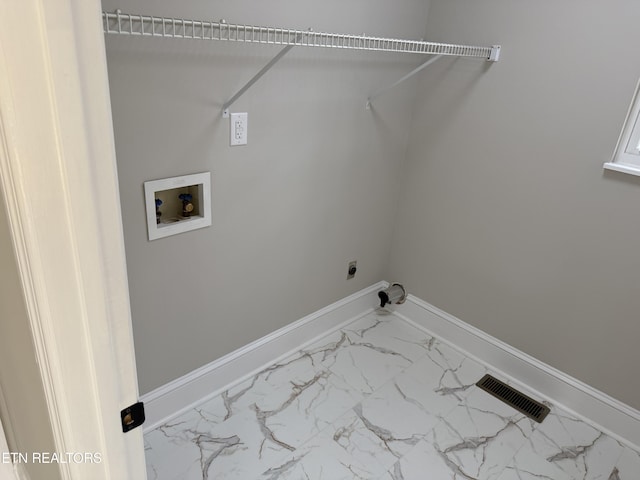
(621, 177)
(459, 75)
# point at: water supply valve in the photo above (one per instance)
(392, 294)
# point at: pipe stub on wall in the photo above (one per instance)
(394, 294)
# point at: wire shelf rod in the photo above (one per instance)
(256, 77)
(398, 82)
(119, 23)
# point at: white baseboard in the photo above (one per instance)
(175, 397)
(611, 416)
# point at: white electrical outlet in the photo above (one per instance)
(238, 129)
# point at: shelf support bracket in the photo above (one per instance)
(398, 82)
(256, 77)
(494, 56)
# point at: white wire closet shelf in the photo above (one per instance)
(150, 26)
(119, 23)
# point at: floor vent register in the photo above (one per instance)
(509, 395)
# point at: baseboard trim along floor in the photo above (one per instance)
(178, 396)
(608, 414)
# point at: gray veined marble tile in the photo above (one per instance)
(322, 353)
(235, 449)
(392, 333)
(321, 458)
(311, 406)
(176, 431)
(415, 400)
(479, 438)
(455, 374)
(371, 351)
(152, 473)
(425, 461)
(172, 442)
(532, 469)
(271, 387)
(563, 447)
(395, 473)
(370, 444)
(627, 467)
(377, 400)
(366, 367)
(401, 413)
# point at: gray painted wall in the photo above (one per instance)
(316, 187)
(507, 219)
(23, 405)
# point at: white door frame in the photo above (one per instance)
(6, 470)
(59, 179)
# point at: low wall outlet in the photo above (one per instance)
(238, 129)
(352, 269)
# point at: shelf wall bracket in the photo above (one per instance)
(256, 77)
(398, 82)
(494, 56)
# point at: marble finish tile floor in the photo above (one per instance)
(379, 400)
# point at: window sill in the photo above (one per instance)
(623, 167)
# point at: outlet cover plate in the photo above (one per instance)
(352, 265)
(238, 135)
